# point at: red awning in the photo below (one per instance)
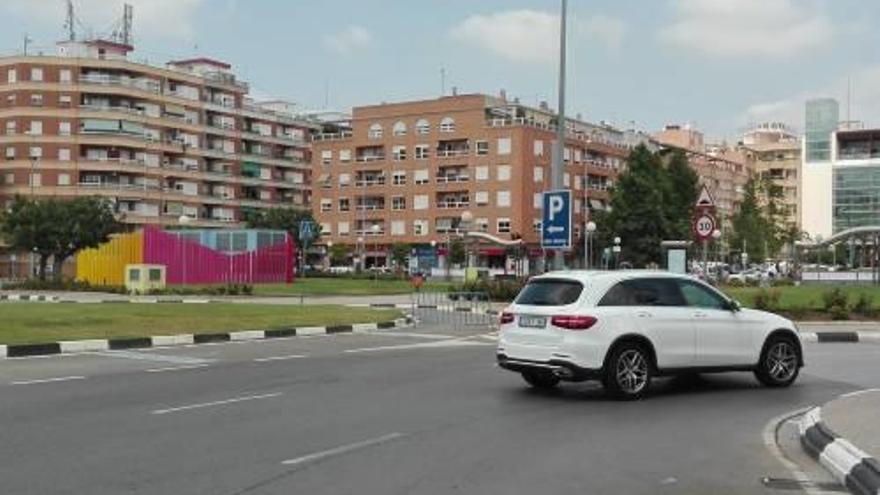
(492, 251)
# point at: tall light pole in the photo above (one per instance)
(589, 229)
(556, 167)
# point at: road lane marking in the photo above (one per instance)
(343, 449)
(280, 358)
(149, 356)
(48, 380)
(177, 368)
(216, 403)
(431, 345)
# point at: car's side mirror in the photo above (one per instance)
(733, 305)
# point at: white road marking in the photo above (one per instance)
(859, 392)
(430, 345)
(344, 449)
(216, 403)
(280, 358)
(48, 380)
(150, 356)
(177, 368)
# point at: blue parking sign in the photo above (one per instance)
(556, 224)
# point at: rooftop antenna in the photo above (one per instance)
(70, 22)
(27, 40)
(127, 17)
(848, 101)
(442, 81)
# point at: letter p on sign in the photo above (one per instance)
(556, 205)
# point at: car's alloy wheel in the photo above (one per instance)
(628, 372)
(780, 363)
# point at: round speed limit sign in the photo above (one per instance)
(704, 225)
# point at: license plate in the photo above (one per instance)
(532, 321)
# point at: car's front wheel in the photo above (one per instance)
(541, 380)
(628, 372)
(780, 362)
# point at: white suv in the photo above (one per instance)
(625, 327)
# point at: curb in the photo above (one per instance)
(98, 345)
(853, 468)
(840, 337)
(28, 297)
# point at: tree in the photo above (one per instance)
(751, 228)
(400, 254)
(287, 219)
(680, 196)
(339, 254)
(457, 254)
(636, 216)
(57, 229)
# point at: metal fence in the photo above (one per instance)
(459, 310)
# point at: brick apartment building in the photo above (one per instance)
(777, 153)
(159, 142)
(423, 172)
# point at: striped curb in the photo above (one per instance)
(98, 345)
(840, 337)
(853, 468)
(28, 298)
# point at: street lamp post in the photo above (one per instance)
(466, 218)
(716, 235)
(329, 253)
(557, 165)
(360, 254)
(589, 229)
(616, 251)
(434, 254)
(375, 229)
(183, 220)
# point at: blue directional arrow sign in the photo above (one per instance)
(306, 231)
(556, 224)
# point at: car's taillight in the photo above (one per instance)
(506, 318)
(571, 322)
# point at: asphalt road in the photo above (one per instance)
(421, 411)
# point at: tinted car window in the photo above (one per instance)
(550, 292)
(644, 292)
(701, 297)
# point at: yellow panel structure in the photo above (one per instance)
(105, 265)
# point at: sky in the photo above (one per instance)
(719, 65)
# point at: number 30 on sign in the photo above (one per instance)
(704, 225)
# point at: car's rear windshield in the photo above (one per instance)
(550, 292)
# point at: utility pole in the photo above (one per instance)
(556, 168)
(27, 40)
(69, 23)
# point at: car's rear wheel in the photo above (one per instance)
(780, 362)
(541, 380)
(628, 372)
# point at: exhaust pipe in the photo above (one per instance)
(563, 372)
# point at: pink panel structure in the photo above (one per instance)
(189, 262)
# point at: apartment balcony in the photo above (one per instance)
(369, 180)
(331, 136)
(370, 158)
(451, 175)
(112, 80)
(109, 108)
(452, 204)
(453, 148)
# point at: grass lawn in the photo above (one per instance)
(804, 297)
(343, 287)
(28, 323)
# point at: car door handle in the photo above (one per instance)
(699, 314)
(644, 314)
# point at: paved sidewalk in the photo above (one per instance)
(856, 417)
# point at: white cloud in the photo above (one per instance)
(348, 40)
(865, 102)
(152, 18)
(533, 36)
(747, 28)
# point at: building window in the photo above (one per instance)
(37, 100)
(420, 202)
(10, 153)
(12, 76)
(536, 226)
(344, 180)
(11, 127)
(344, 204)
(399, 128)
(482, 224)
(36, 152)
(504, 146)
(482, 198)
(64, 75)
(36, 74)
(398, 178)
(423, 127)
(36, 128)
(326, 204)
(64, 100)
(482, 147)
(538, 174)
(36, 180)
(504, 172)
(566, 179)
(539, 147)
(481, 172)
(577, 182)
(503, 225)
(345, 156)
(538, 201)
(422, 151)
(10, 178)
(64, 128)
(342, 228)
(399, 153)
(502, 199)
(64, 154)
(326, 157)
(447, 124)
(10, 99)
(420, 227)
(63, 179)
(398, 203)
(422, 177)
(375, 131)
(398, 227)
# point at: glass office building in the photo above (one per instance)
(856, 193)
(821, 119)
